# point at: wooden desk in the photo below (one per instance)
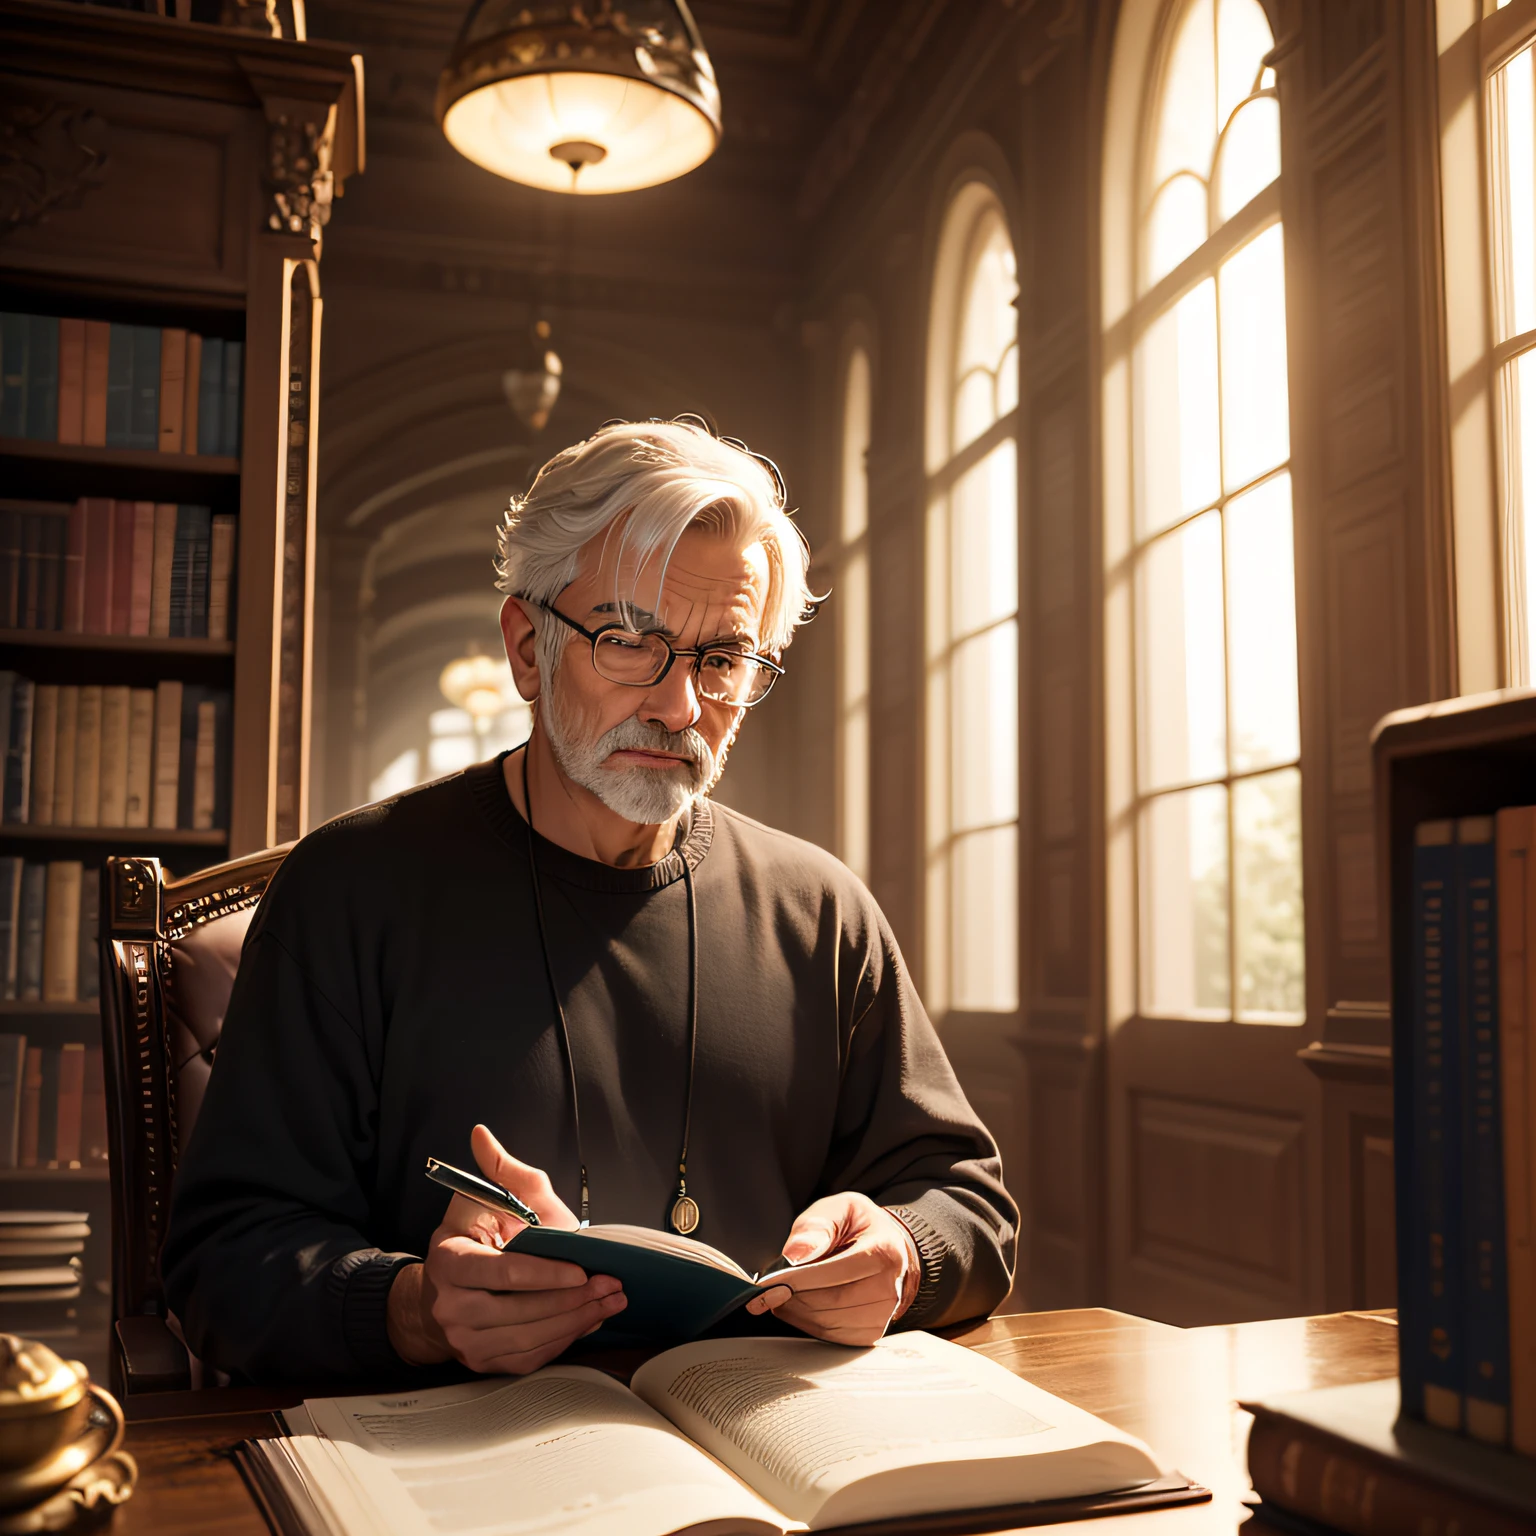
(1176, 1388)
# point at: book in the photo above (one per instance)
(43, 379)
(121, 609)
(10, 926)
(31, 1108)
(119, 412)
(146, 387)
(48, 1110)
(18, 749)
(192, 393)
(167, 753)
(201, 800)
(15, 342)
(88, 757)
(210, 396)
(231, 401)
(1342, 1456)
(1432, 1360)
(29, 586)
(141, 757)
(29, 964)
(1485, 1325)
(71, 1104)
(189, 572)
(54, 556)
(759, 1435)
(10, 567)
(93, 1112)
(89, 984)
(98, 346)
(204, 764)
(1516, 835)
(66, 768)
(45, 738)
(142, 566)
(61, 932)
(221, 570)
(100, 520)
(72, 602)
(13, 1061)
(71, 381)
(162, 565)
(173, 380)
(113, 806)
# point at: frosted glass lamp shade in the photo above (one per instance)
(584, 99)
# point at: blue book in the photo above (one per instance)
(1431, 1350)
(120, 354)
(15, 342)
(16, 786)
(146, 387)
(1486, 1281)
(210, 397)
(234, 373)
(43, 379)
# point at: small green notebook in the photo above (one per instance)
(677, 1288)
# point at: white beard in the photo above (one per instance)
(646, 796)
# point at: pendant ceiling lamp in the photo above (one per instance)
(585, 96)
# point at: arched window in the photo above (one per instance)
(1204, 729)
(1510, 53)
(850, 563)
(972, 627)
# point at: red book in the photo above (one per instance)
(71, 381)
(98, 343)
(97, 616)
(121, 608)
(143, 567)
(71, 1104)
(74, 571)
(31, 1108)
(93, 1113)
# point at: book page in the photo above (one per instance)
(566, 1449)
(832, 1435)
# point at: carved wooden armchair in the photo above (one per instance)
(169, 953)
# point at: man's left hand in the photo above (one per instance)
(867, 1281)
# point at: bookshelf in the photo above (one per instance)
(174, 178)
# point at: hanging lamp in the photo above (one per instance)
(584, 96)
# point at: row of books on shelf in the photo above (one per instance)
(1465, 1111)
(53, 1105)
(41, 1254)
(105, 567)
(83, 755)
(48, 924)
(106, 385)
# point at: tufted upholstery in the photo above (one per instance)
(169, 954)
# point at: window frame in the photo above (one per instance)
(973, 200)
(1130, 312)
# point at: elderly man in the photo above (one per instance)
(636, 1005)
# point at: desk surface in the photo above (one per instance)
(1176, 1388)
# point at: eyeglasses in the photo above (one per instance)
(723, 673)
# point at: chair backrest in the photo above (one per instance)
(169, 954)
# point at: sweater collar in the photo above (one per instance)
(488, 784)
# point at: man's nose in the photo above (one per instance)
(674, 701)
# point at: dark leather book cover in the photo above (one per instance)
(15, 805)
(89, 987)
(48, 1110)
(72, 578)
(43, 379)
(120, 357)
(50, 615)
(210, 397)
(234, 389)
(96, 599)
(197, 574)
(10, 568)
(122, 568)
(13, 1063)
(15, 341)
(29, 600)
(145, 426)
(31, 1108)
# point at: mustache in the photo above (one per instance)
(638, 735)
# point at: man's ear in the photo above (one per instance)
(519, 635)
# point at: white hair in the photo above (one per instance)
(668, 476)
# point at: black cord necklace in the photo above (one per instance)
(684, 1215)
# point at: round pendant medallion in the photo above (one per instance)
(685, 1214)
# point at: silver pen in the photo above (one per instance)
(482, 1191)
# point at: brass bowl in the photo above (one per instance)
(44, 1402)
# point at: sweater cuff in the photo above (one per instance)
(361, 1281)
(932, 1251)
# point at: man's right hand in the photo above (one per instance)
(498, 1313)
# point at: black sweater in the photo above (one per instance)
(393, 992)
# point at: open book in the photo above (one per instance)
(675, 1287)
(760, 1436)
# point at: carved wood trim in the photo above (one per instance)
(45, 160)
